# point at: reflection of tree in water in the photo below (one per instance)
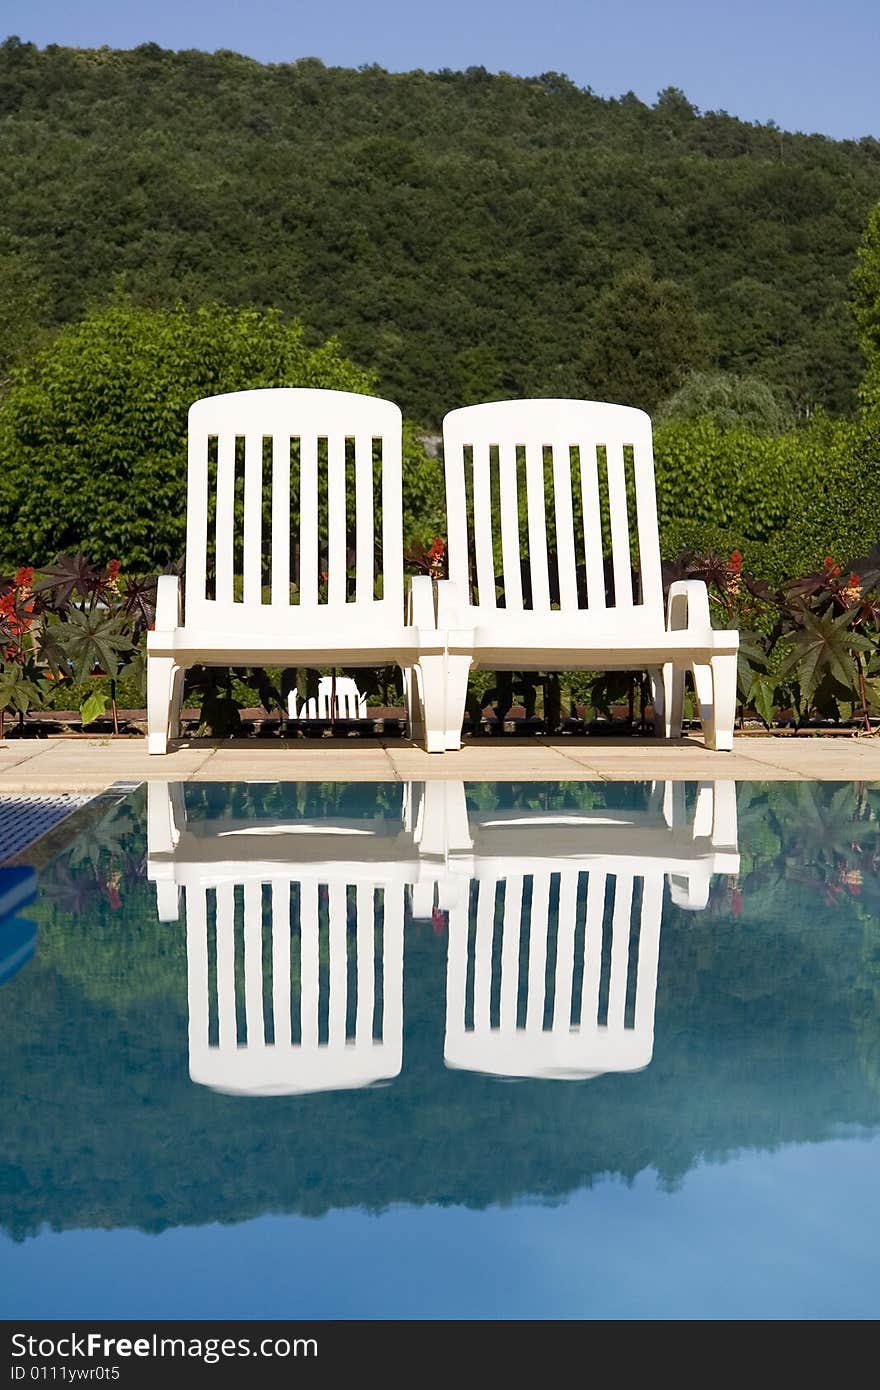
(827, 835)
(211, 800)
(766, 1033)
(556, 796)
(94, 901)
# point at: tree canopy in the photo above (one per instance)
(866, 305)
(729, 401)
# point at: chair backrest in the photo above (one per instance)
(294, 929)
(285, 488)
(596, 1013)
(326, 1014)
(554, 925)
(598, 460)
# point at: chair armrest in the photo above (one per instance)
(452, 608)
(690, 891)
(420, 611)
(687, 605)
(169, 603)
(434, 604)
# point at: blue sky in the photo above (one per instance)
(806, 64)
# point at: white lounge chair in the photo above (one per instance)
(237, 440)
(558, 615)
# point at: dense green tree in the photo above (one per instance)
(93, 431)
(866, 305)
(729, 401)
(24, 308)
(648, 335)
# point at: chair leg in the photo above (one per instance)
(176, 703)
(415, 721)
(164, 688)
(702, 673)
(720, 732)
(674, 805)
(431, 684)
(673, 700)
(167, 900)
(457, 672)
(658, 702)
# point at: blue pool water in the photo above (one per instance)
(447, 1051)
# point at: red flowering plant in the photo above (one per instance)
(831, 631)
(739, 601)
(430, 559)
(810, 645)
(837, 832)
(20, 676)
(94, 629)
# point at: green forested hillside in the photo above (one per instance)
(467, 235)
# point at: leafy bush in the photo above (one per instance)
(810, 646)
(93, 431)
(835, 510)
(784, 502)
(72, 634)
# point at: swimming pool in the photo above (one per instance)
(449, 1050)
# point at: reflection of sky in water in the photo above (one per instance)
(731, 1175)
(792, 1235)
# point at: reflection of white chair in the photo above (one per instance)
(295, 931)
(554, 930)
(590, 1012)
(294, 945)
(327, 1023)
(336, 699)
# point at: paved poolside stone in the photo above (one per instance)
(70, 765)
(73, 764)
(485, 759)
(298, 761)
(14, 754)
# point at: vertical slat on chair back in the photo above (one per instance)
(499, 458)
(240, 448)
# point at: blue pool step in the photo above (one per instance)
(18, 940)
(18, 887)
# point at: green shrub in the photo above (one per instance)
(836, 512)
(93, 430)
(785, 501)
